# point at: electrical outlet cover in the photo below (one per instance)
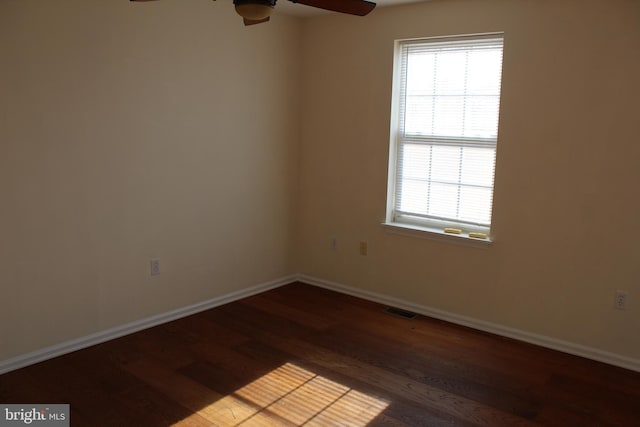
(155, 266)
(620, 301)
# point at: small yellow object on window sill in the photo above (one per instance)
(453, 230)
(478, 235)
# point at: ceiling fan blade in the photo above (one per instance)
(254, 22)
(352, 7)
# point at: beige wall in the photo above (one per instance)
(566, 203)
(126, 134)
(130, 131)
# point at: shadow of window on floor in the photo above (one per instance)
(291, 395)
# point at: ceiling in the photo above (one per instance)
(288, 8)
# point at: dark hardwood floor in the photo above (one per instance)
(301, 355)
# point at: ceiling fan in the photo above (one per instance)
(258, 11)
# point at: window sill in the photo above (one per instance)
(435, 234)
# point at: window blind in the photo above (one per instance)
(447, 127)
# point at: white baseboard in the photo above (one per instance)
(109, 334)
(541, 340)
(100, 337)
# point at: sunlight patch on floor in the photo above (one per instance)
(291, 395)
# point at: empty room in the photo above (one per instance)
(319, 213)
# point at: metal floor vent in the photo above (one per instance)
(400, 313)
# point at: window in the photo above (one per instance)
(444, 134)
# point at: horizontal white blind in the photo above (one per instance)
(447, 130)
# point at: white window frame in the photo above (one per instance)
(421, 225)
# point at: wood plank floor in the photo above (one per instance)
(301, 355)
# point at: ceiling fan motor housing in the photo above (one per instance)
(254, 10)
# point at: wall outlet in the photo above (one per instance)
(155, 266)
(363, 248)
(620, 300)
